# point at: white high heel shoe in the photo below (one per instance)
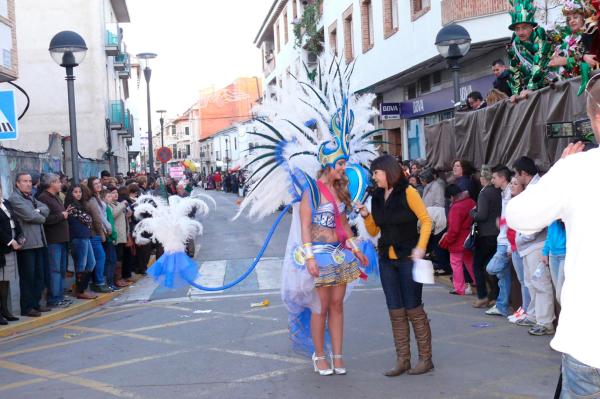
(337, 370)
(315, 359)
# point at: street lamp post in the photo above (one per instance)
(453, 42)
(161, 112)
(147, 74)
(68, 49)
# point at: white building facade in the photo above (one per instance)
(391, 43)
(105, 121)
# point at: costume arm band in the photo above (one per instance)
(308, 250)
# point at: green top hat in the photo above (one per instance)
(523, 12)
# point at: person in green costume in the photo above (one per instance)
(568, 59)
(529, 51)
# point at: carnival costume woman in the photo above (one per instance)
(308, 126)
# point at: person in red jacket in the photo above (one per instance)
(459, 227)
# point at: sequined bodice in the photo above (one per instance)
(324, 215)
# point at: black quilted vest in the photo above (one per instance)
(397, 222)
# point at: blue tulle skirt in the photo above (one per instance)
(174, 270)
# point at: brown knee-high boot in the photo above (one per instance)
(418, 319)
(401, 332)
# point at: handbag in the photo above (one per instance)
(471, 238)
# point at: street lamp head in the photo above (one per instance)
(67, 48)
(453, 42)
(146, 57)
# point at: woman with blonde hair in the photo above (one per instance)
(495, 96)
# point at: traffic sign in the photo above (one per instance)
(164, 154)
(8, 116)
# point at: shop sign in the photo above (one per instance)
(389, 111)
(443, 99)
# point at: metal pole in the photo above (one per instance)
(162, 143)
(72, 124)
(147, 75)
(455, 77)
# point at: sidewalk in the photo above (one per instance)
(57, 314)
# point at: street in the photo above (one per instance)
(153, 343)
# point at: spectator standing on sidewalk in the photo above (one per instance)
(31, 215)
(80, 233)
(499, 266)
(120, 210)
(56, 228)
(553, 255)
(101, 228)
(485, 216)
(10, 236)
(540, 314)
(517, 188)
(566, 193)
(459, 226)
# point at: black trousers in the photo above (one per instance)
(31, 277)
(485, 248)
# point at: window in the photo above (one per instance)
(333, 38)
(217, 155)
(285, 27)
(277, 48)
(411, 91)
(174, 150)
(390, 17)
(187, 150)
(4, 8)
(187, 130)
(436, 78)
(366, 25)
(173, 130)
(348, 36)
(235, 143)
(294, 9)
(425, 84)
(418, 8)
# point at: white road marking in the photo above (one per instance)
(268, 272)
(212, 274)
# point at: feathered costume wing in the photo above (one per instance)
(307, 122)
(290, 128)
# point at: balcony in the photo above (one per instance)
(117, 115)
(113, 43)
(121, 61)
(459, 10)
(127, 130)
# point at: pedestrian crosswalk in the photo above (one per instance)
(266, 275)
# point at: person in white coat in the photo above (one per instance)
(567, 193)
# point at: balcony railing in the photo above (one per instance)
(117, 115)
(121, 61)
(458, 10)
(113, 43)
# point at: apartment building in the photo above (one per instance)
(105, 122)
(9, 62)
(391, 43)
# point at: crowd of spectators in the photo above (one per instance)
(49, 222)
(472, 243)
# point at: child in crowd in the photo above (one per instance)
(459, 227)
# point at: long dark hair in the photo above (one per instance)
(70, 199)
(393, 172)
(467, 167)
(90, 184)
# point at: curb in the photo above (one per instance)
(58, 314)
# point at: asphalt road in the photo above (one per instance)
(156, 344)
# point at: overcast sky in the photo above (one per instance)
(199, 43)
